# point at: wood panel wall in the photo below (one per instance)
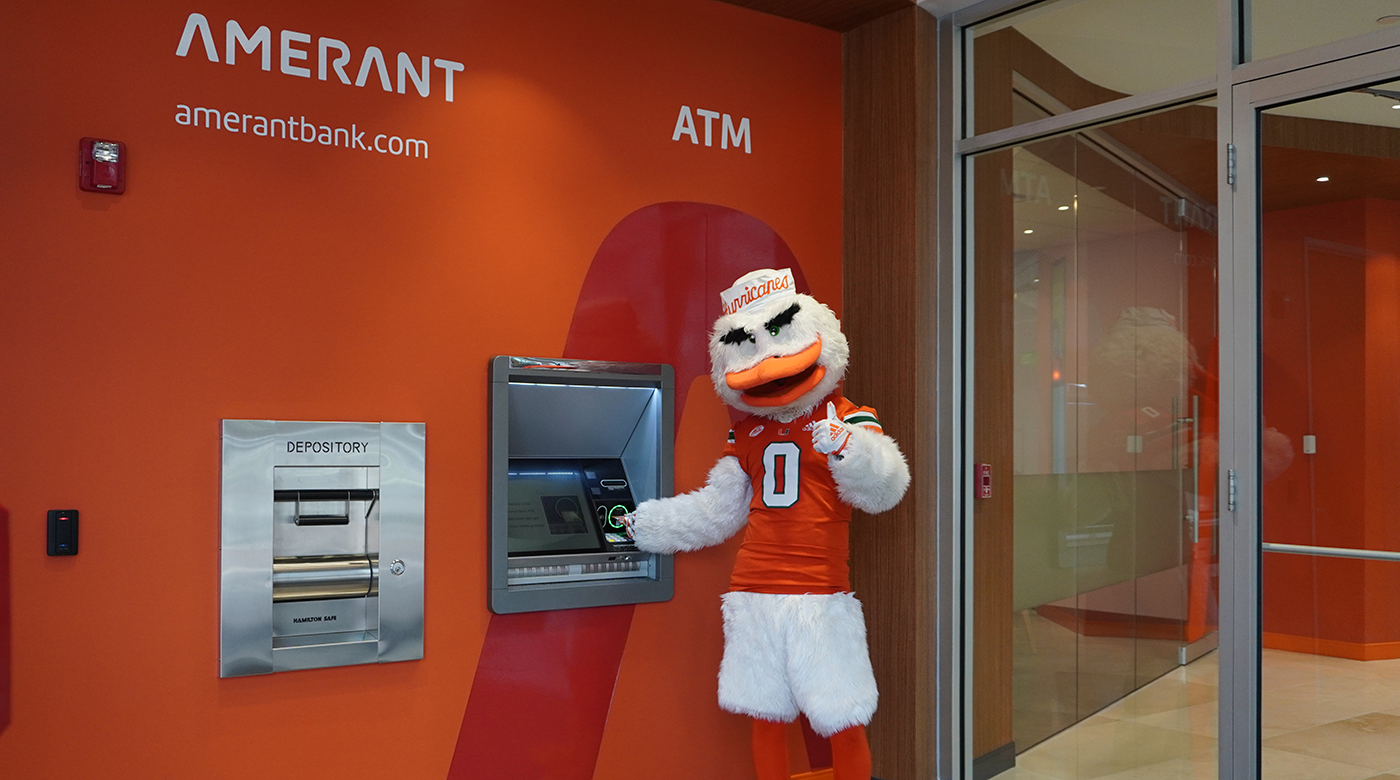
(888, 315)
(997, 56)
(839, 15)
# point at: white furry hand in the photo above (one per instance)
(700, 518)
(829, 436)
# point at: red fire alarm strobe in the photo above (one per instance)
(984, 480)
(101, 166)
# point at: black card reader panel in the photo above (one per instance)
(63, 532)
(611, 497)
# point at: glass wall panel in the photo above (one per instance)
(1062, 56)
(1097, 410)
(1282, 26)
(1330, 312)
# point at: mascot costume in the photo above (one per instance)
(794, 634)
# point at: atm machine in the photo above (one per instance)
(575, 445)
(322, 545)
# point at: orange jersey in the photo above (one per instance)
(798, 535)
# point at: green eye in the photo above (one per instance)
(774, 330)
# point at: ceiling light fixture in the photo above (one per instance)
(1324, 178)
(1028, 231)
(1066, 208)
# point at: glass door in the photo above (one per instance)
(1098, 407)
(1317, 267)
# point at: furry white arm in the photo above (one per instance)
(871, 474)
(700, 518)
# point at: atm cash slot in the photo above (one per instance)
(580, 572)
(324, 577)
(325, 495)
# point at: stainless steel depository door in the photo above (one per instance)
(309, 512)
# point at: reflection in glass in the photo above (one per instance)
(1096, 392)
(1330, 312)
(1281, 26)
(1063, 56)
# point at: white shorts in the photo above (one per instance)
(804, 653)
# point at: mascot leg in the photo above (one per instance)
(770, 754)
(752, 680)
(832, 681)
(850, 754)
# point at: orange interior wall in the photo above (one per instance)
(1381, 580)
(246, 277)
(1343, 300)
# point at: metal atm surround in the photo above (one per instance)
(309, 511)
(579, 411)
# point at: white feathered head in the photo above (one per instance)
(775, 352)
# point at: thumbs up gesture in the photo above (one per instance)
(830, 436)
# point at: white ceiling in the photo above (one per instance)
(1349, 107)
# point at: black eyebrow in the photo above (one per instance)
(784, 317)
(736, 336)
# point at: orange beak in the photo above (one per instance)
(779, 380)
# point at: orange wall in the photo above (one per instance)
(1382, 304)
(1332, 283)
(264, 278)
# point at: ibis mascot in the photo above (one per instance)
(794, 633)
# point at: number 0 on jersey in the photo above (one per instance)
(780, 474)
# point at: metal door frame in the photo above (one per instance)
(1241, 384)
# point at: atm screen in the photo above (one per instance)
(548, 509)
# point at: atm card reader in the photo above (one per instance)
(612, 501)
(575, 446)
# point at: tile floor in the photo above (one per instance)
(1323, 719)
(1061, 677)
